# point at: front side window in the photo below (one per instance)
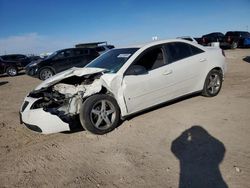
(64, 54)
(113, 60)
(152, 59)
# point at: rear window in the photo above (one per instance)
(189, 39)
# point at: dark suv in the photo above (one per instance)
(238, 39)
(207, 39)
(23, 60)
(60, 61)
(9, 67)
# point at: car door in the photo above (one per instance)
(147, 89)
(187, 63)
(173, 76)
(63, 60)
(81, 57)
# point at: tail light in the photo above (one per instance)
(203, 40)
(223, 53)
(228, 39)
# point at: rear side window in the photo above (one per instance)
(8, 58)
(100, 49)
(195, 50)
(179, 50)
(243, 34)
(21, 57)
(110, 46)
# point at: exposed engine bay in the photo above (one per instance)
(64, 98)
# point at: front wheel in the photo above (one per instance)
(45, 73)
(100, 114)
(12, 71)
(213, 83)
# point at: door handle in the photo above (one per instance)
(203, 59)
(168, 72)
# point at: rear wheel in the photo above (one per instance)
(45, 73)
(212, 84)
(100, 114)
(12, 71)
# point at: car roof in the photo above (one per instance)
(12, 55)
(73, 49)
(157, 42)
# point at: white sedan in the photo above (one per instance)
(122, 82)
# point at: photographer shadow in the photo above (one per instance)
(199, 154)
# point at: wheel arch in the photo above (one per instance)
(105, 91)
(8, 66)
(47, 67)
(218, 69)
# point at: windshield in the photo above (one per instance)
(53, 54)
(113, 60)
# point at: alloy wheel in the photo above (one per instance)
(214, 84)
(103, 114)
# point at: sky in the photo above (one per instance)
(38, 26)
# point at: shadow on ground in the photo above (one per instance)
(75, 126)
(246, 59)
(199, 154)
(3, 83)
(5, 75)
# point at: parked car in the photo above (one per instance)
(238, 39)
(207, 39)
(122, 82)
(192, 39)
(23, 60)
(60, 61)
(9, 67)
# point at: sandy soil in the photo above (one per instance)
(194, 142)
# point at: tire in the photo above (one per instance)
(12, 71)
(234, 45)
(213, 83)
(100, 114)
(45, 73)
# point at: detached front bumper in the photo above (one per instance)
(40, 121)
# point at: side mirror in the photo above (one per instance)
(136, 70)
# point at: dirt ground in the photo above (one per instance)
(193, 142)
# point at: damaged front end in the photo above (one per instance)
(56, 108)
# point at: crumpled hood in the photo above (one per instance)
(68, 73)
